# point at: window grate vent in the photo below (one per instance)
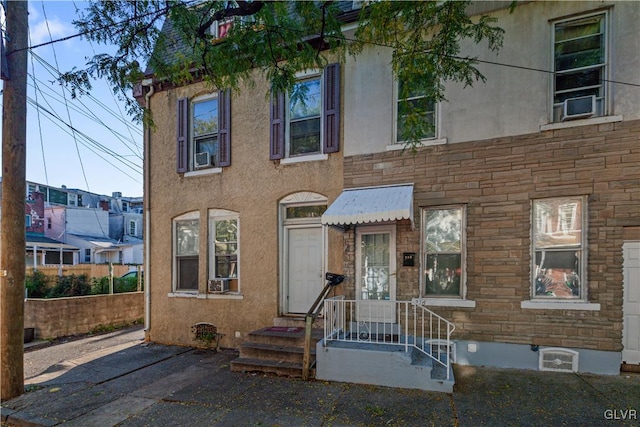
(558, 360)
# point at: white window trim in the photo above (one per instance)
(423, 142)
(607, 105)
(174, 280)
(221, 215)
(192, 171)
(581, 303)
(581, 122)
(297, 158)
(560, 305)
(435, 140)
(447, 300)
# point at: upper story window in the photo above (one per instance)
(580, 67)
(186, 232)
(307, 120)
(72, 199)
(204, 132)
(125, 206)
(132, 228)
(558, 244)
(415, 114)
(443, 251)
(27, 220)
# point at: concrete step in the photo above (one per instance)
(283, 335)
(276, 352)
(297, 321)
(289, 369)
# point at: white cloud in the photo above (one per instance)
(44, 31)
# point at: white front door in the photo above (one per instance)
(304, 269)
(376, 273)
(631, 305)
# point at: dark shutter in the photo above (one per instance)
(182, 143)
(224, 128)
(277, 126)
(331, 109)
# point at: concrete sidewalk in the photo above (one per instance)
(157, 385)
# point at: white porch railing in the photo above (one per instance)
(400, 323)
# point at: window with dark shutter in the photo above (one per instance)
(224, 128)
(277, 126)
(331, 109)
(182, 141)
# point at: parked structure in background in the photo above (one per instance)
(71, 226)
(509, 221)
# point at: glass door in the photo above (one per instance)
(375, 273)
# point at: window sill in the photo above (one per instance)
(179, 294)
(444, 302)
(300, 159)
(581, 122)
(228, 295)
(560, 305)
(209, 171)
(423, 143)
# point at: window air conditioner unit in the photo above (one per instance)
(202, 160)
(578, 108)
(218, 286)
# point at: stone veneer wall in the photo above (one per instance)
(497, 179)
(57, 317)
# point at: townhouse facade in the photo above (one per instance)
(518, 219)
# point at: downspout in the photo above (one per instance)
(147, 215)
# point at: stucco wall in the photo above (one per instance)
(512, 101)
(57, 317)
(497, 179)
(252, 186)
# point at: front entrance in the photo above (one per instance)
(631, 305)
(303, 251)
(376, 273)
(304, 270)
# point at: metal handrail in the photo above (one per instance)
(430, 331)
(332, 280)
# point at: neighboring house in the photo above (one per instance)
(42, 250)
(515, 221)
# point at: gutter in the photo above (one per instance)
(147, 215)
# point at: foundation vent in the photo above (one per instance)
(558, 360)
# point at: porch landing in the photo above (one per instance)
(380, 364)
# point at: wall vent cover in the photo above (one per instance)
(558, 360)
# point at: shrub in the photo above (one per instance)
(37, 284)
(71, 286)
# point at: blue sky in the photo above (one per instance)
(103, 153)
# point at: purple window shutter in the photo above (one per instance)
(224, 128)
(277, 126)
(331, 109)
(182, 143)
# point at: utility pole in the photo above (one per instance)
(13, 247)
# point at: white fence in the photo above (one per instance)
(398, 323)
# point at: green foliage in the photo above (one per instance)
(280, 39)
(70, 286)
(37, 284)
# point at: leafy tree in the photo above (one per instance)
(279, 39)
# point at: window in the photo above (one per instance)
(580, 60)
(415, 114)
(223, 232)
(186, 230)
(27, 220)
(306, 121)
(72, 199)
(125, 206)
(443, 251)
(87, 255)
(48, 223)
(204, 132)
(558, 264)
(132, 228)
